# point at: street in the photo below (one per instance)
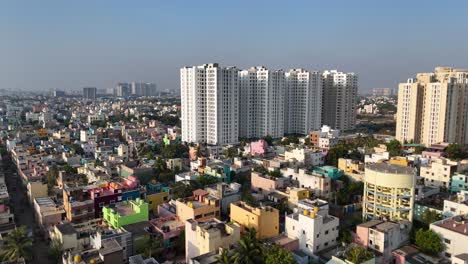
(24, 213)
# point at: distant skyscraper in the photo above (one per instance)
(261, 107)
(433, 108)
(123, 90)
(382, 92)
(210, 104)
(143, 89)
(303, 101)
(339, 96)
(89, 93)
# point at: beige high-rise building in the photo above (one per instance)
(433, 107)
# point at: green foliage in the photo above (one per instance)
(3, 150)
(249, 250)
(225, 256)
(349, 190)
(55, 250)
(99, 123)
(69, 169)
(182, 190)
(16, 245)
(290, 140)
(153, 247)
(344, 236)
(455, 151)
(278, 255)
(429, 242)
(173, 151)
(394, 148)
(275, 173)
(231, 152)
(430, 216)
(358, 255)
(51, 177)
(205, 180)
(335, 153)
(269, 140)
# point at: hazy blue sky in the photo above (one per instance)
(70, 44)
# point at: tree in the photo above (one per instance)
(269, 140)
(335, 153)
(205, 180)
(345, 236)
(182, 190)
(278, 255)
(275, 173)
(248, 250)
(429, 242)
(152, 247)
(430, 216)
(358, 255)
(455, 151)
(394, 148)
(17, 245)
(225, 256)
(51, 178)
(69, 169)
(231, 152)
(55, 250)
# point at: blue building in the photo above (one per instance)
(459, 182)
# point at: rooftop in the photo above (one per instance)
(390, 168)
(457, 224)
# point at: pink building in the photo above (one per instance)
(258, 147)
(169, 227)
(266, 184)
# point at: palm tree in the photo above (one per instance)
(249, 249)
(225, 256)
(17, 245)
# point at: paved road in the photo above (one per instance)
(24, 213)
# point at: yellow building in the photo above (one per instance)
(156, 194)
(432, 107)
(350, 166)
(36, 189)
(200, 207)
(293, 195)
(42, 132)
(264, 219)
(62, 134)
(388, 192)
(209, 236)
(402, 161)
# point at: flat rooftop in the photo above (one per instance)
(390, 168)
(457, 224)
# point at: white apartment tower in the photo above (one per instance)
(261, 105)
(339, 96)
(303, 101)
(210, 104)
(433, 107)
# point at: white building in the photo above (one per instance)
(454, 234)
(305, 156)
(314, 228)
(320, 185)
(439, 172)
(210, 104)
(303, 101)
(339, 98)
(457, 207)
(262, 96)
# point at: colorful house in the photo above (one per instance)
(459, 182)
(129, 212)
(156, 194)
(264, 219)
(328, 171)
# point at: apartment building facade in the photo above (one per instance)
(433, 107)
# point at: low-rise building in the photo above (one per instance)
(458, 206)
(156, 194)
(264, 219)
(226, 194)
(128, 212)
(350, 166)
(315, 229)
(47, 212)
(202, 238)
(459, 182)
(265, 184)
(454, 234)
(319, 184)
(383, 236)
(201, 207)
(439, 172)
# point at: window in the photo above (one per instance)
(447, 241)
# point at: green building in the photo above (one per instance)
(459, 182)
(328, 171)
(128, 212)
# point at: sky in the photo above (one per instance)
(71, 44)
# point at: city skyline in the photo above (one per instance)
(54, 45)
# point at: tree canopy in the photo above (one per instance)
(429, 242)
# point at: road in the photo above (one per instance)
(24, 212)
